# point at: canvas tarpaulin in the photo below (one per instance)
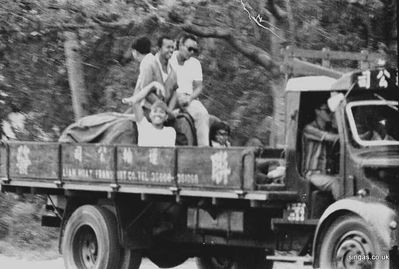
(116, 128)
(107, 128)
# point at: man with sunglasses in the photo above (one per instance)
(317, 137)
(189, 81)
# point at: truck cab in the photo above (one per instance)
(359, 228)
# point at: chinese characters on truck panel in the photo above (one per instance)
(220, 168)
(23, 160)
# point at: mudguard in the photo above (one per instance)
(379, 214)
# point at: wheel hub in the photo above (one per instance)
(354, 251)
(87, 248)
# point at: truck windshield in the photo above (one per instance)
(374, 122)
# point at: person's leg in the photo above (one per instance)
(326, 183)
(201, 121)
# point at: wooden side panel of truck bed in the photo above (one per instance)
(227, 172)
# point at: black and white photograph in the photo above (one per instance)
(199, 134)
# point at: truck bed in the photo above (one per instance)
(226, 173)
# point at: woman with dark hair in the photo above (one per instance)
(219, 135)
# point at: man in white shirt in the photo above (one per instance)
(189, 81)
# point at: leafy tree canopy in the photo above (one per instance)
(238, 49)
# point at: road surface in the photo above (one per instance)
(14, 263)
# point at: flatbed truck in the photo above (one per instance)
(115, 204)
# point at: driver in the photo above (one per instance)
(376, 130)
(317, 137)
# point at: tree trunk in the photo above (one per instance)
(277, 85)
(291, 23)
(75, 75)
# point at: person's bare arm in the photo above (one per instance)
(144, 79)
(136, 99)
(173, 101)
(313, 133)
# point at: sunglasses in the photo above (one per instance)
(192, 50)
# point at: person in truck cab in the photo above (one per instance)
(376, 129)
(153, 134)
(317, 138)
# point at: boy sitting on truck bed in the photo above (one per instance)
(153, 134)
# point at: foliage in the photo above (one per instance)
(343, 26)
(20, 226)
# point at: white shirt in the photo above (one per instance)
(149, 136)
(186, 73)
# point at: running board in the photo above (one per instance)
(299, 261)
(283, 224)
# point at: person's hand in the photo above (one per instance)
(279, 171)
(175, 112)
(183, 100)
(172, 114)
(159, 88)
(128, 100)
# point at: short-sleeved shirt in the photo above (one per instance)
(186, 73)
(150, 71)
(315, 141)
(144, 70)
(146, 61)
(149, 136)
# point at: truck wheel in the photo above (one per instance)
(253, 260)
(167, 259)
(350, 243)
(91, 239)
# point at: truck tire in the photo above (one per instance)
(91, 239)
(253, 260)
(167, 259)
(347, 238)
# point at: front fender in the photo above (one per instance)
(377, 213)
